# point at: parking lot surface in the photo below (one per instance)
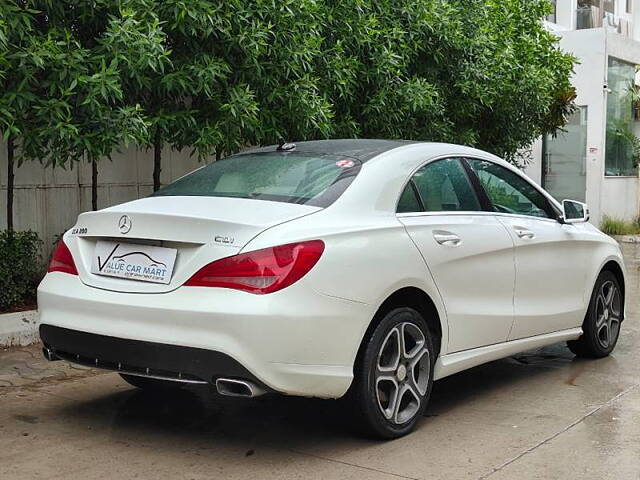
(542, 414)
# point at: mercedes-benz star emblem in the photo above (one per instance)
(124, 224)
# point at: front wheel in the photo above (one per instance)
(394, 378)
(601, 327)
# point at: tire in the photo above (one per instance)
(602, 322)
(383, 371)
(150, 384)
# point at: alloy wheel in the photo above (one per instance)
(608, 303)
(402, 373)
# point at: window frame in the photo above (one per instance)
(487, 205)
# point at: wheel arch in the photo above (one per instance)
(412, 297)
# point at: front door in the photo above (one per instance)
(551, 258)
(565, 159)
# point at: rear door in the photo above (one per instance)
(551, 258)
(468, 252)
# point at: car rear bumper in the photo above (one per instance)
(295, 341)
(137, 357)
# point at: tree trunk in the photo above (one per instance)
(94, 185)
(157, 160)
(10, 174)
(218, 153)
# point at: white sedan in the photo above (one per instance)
(365, 268)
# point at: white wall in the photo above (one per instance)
(48, 200)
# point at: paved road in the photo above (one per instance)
(542, 415)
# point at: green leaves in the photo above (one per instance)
(78, 78)
(484, 73)
(20, 268)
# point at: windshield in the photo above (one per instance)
(307, 179)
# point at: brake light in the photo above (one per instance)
(262, 271)
(62, 261)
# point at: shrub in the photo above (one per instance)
(616, 226)
(20, 268)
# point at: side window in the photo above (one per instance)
(443, 185)
(408, 201)
(509, 192)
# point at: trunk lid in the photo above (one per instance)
(201, 229)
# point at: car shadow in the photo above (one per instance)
(198, 414)
(494, 377)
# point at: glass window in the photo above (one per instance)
(621, 143)
(589, 14)
(409, 202)
(564, 159)
(552, 16)
(609, 6)
(509, 192)
(443, 185)
(308, 179)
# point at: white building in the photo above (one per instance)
(593, 160)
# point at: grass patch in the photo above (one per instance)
(615, 226)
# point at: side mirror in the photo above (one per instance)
(574, 212)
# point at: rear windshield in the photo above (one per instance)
(307, 179)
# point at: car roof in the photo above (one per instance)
(359, 148)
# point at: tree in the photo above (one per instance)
(61, 85)
(238, 73)
(16, 97)
(479, 72)
(137, 44)
(214, 77)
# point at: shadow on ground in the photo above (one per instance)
(272, 418)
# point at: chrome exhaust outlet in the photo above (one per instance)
(49, 355)
(238, 388)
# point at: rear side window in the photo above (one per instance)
(306, 179)
(409, 202)
(443, 186)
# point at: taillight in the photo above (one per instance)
(62, 261)
(261, 271)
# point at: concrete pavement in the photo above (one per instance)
(543, 414)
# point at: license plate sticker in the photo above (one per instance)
(144, 263)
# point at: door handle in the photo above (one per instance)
(524, 233)
(447, 238)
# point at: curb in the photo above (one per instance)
(19, 328)
(627, 238)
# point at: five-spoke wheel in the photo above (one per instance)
(402, 372)
(395, 374)
(608, 313)
(601, 325)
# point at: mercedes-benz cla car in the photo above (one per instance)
(365, 268)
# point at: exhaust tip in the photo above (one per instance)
(238, 388)
(49, 355)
